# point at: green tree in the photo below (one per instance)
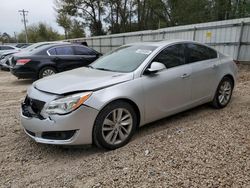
(38, 33)
(189, 12)
(76, 30)
(64, 21)
(132, 15)
(90, 11)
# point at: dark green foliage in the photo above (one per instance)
(117, 16)
(38, 33)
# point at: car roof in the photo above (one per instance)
(62, 44)
(163, 42)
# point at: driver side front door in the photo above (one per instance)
(168, 91)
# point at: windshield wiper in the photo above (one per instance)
(90, 66)
(104, 69)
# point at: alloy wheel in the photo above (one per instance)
(47, 72)
(117, 126)
(225, 92)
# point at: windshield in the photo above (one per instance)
(124, 59)
(32, 46)
(37, 45)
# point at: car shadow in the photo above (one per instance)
(167, 122)
(22, 82)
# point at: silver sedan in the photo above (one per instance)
(127, 88)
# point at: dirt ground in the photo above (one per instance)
(202, 147)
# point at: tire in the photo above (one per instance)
(223, 93)
(108, 132)
(46, 71)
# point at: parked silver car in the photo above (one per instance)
(129, 87)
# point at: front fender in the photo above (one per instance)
(131, 90)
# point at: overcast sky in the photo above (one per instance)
(39, 11)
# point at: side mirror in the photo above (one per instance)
(155, 67)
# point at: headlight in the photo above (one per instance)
(67, 104)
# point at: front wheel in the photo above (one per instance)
(115, 125)
(223, 94)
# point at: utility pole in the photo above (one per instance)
(15, 37)
(24, 14)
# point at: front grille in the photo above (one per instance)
(32, 107)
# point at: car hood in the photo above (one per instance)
(10, 52)
(81, 79)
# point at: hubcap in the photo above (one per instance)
(224, 93)
(117, 126)
(48, 72)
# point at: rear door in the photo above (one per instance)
(204, 63)
(85, 55)
(64, 57)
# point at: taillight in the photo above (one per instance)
(22, 61)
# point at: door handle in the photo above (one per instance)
(214, 66)
(185, 75)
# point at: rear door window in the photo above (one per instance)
(196, 52)
(66, 50)
(172, 56)
(81, 50)
(52, 51)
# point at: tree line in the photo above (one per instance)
(102, 17)
(43, 32)
(118, 16)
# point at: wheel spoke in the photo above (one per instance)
(108, 122)
(124, 129)
(109, 136)
(119, 114)
(221, 98)
(114, 116)
(121, 135)
(124, 123)
(125, 117)
(224, 100)
(107, 128)
(114, 137)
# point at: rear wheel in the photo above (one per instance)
(224, 93)
(46, 71)
(115, 125)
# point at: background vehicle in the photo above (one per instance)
(127, 88)
(40, 44)
(22, 45)
(8, 48)
(51, 59)
(6, 56)
(4, 62)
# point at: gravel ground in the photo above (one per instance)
(202, 147)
